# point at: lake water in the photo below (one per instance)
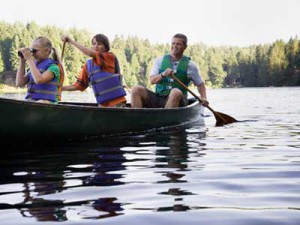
(245, 173)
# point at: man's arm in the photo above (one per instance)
(202, 91)
(155, 76)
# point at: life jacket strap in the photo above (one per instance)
(108, 90)
(95, 71)
(104, 78)
(42, 92)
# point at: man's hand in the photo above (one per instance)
(168, 72)
(204, 102)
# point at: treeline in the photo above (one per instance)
(276, 64)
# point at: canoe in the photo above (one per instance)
(70, 120)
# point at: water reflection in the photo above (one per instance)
(38, 207)
(46, 172)
(175, 160)
(246, 173)
(175, 157)
(109, 206)
(52, 175)
(107, 160)
(44, 210)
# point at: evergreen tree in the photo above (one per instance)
(259, 65)
(292, 50)
(216, 73)
(135, 70)
(1, 63)
(277, 63)
(14, 58)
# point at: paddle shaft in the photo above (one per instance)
(63, 51)
(221, 118)
(192, 93)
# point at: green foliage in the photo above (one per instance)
(277, 64)
(1, 63)
(14, 59)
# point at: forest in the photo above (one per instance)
(272, 64)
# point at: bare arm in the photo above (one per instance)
(21, 78)
(154, 79)
(38, 78)
(202, 91)
(85, 50)
(69, 88)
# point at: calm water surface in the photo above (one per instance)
(246, 173)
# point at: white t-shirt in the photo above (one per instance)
(192, 70)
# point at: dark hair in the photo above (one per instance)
(101, 38)
(183, 37)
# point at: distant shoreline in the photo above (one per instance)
(4, 88)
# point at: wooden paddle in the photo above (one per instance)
(63, 50)
(221, 118)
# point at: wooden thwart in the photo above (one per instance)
(221, 118)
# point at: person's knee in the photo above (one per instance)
(176, 94)
(138, 90)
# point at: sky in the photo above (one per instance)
(212, 22)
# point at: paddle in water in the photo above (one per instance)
(221, 118)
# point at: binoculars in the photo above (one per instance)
(20, 54)
(32, 50)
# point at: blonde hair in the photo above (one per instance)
(45, 42)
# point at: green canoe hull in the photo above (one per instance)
(30, 120)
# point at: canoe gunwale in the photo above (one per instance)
(93, 106)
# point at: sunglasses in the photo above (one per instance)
(33, 50)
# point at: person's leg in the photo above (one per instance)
(138, 96)
(174, 98)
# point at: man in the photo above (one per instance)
(168, 93)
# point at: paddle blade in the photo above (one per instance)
(223, 119)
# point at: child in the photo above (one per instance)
(102, 72)
(45, 76)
